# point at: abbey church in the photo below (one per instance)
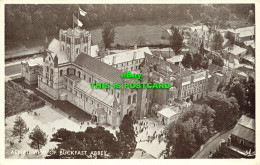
(68, 68)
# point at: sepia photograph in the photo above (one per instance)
(129, 81)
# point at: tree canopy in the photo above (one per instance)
(176, 40)
(108, 34)
(126, 137)
(92, 139)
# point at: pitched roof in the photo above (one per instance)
(169, 112)
(54, 48)
(98, 94)
(246, 34)
(199, 27)
(235, 50)
(214, 68)
(96, 66)
(126, 56)
(34, 61)
(175, 59)
(245, 129)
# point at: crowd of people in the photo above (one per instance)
(148, 131)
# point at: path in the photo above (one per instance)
(212, 146)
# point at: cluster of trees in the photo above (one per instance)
(37, 21)
(96, 139)
(226, 108)
(17, 99)
(195, 61)
(192, 129)
(37, 136)
(244, 91)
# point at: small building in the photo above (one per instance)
(168, 115)
(30, 70)
(243, 34)
(235, 52)
(175, 59)
(241, 143)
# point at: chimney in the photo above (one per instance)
(210, 61)
(135, 46)
(114, 60)
(108, 52)
(134, 56)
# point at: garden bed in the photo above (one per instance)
(18, 99)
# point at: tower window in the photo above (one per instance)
(77, 41)
(129, 100)
(85, 40)
(77, 50)
(134, 98)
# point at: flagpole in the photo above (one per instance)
(73, 20)
(78, 15)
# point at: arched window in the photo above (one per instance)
(47, 69)
(51, 71)
(77, 50)
(85, 49)
(129, 100)
(79, 74)
(61, 72)
(134, 98)
(62, 47)
(68, 71)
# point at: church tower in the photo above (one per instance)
(75, 41)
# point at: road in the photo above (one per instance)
(12, 69)
(212, 146)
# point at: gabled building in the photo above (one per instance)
(68, 68)
(241, 143)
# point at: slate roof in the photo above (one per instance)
(235, 50)
(99, 94)
(175, 59)
(98, 67)
(54, 48)
(214, 68)
(245, 129)
(126, 56)
(169, 112)
(34, 61)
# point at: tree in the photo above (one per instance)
(205, 63)
(217, 41)
(251, 17)
(181, 140)
(141, 41)
(227, 110)
(249, 87)
(108, 34)
(231, 37)
(187, 59)
(126, 137)
(19, 128)
(193, 128)
(202, 48)
(176, 40)
(38, 137)
(217, 60)
(197, 59)
(92, 139)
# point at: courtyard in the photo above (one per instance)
(50, 119)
